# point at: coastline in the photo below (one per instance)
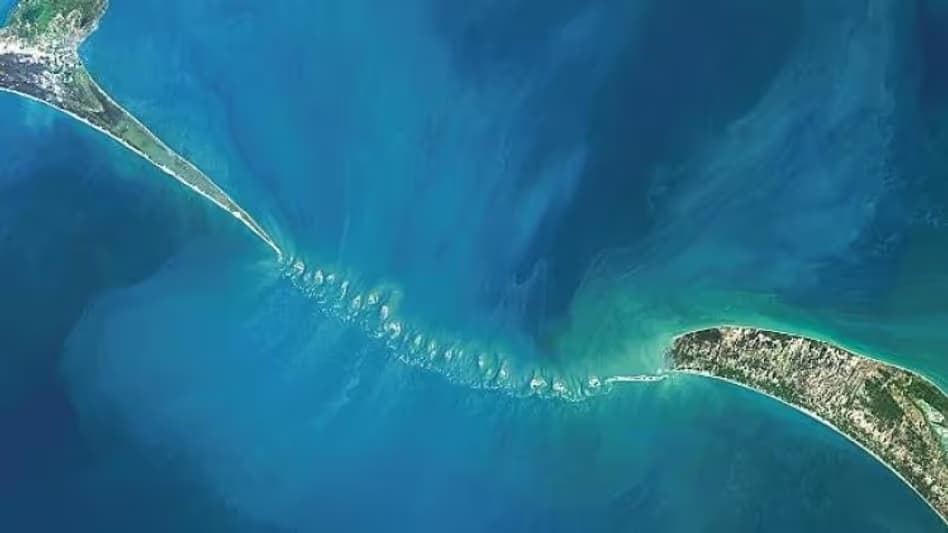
(821, 420)
(242, 218)
(640, 378)
(814, 338)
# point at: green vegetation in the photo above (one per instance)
(922, 390)
(731, 374)
(877, 405)
(708, 335)
(784, 392)
(35, 17)
(918, 445)
(882, 404)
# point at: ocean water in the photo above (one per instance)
(554, 188)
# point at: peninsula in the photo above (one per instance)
(894, 414)
(39, 59)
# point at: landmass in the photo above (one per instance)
(39, 59)
(896, 415)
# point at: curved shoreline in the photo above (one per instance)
(821, 420)
(813, 338)
(889, 411)
(245, 219)
(39, 60)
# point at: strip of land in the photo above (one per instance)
(896, 415)
(39, 59)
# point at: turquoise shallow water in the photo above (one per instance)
(481, 166)
(558, 187)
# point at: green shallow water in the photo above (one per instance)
(809, 201)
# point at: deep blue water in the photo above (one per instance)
(564, 184)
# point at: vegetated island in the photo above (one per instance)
(39, 59)
(894, 414)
